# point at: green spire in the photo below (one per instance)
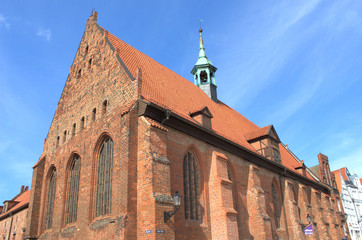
(204, 72)
(202, 54)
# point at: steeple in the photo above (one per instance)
(204, 72)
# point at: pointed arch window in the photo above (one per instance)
(276, 206)
(104, 178)
(73, 189)
(191, 187)
(50, 199)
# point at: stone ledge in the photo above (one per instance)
(100, 224)
(68, 232)
(160, 159)
(163, 198)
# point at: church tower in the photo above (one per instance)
(204, 73)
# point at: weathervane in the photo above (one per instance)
(200, 22)
(92, 11)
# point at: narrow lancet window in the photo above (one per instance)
(276, 206)
(105, 103)
(73, 188)
(191, 187)
(94, 112)
(104, 178)
(82, 123)
(74, 128)
(50, 199)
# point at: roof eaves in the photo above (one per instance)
(299, 161)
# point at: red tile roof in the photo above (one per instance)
(360, 180)
(289, 161)
(165, 88)
(22, 200)
(261, 132)
(344, 174)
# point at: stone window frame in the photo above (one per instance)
(50, 197)
(72, 188)
(103, 179)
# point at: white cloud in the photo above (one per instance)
(46, 33)
(4, 22)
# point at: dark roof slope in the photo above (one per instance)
(23, 201)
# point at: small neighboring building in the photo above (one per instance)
(13, 215)
(350, 189)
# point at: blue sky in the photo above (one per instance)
(293, 64)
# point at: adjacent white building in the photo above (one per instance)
(350, 189)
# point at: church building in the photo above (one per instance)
(136, 151)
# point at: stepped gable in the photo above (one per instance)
(166, 88)
(337, 176)
(22, 200)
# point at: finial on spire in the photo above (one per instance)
(204, 71)
(94, 15)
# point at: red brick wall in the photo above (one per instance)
(17, 222)
(103, 80)
(148, 169)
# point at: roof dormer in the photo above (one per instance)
(203, 116)
(266, 142)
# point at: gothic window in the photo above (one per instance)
(89, 63)
(86, 50)
(104, 178)
(94, 112)
(82, 123)
(74, 128)
(73, 187)
(50, 199)
(203, 76)
(105, 103)
(79, 73)
(276, 205)
(191, 187)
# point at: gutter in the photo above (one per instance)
(11, 225)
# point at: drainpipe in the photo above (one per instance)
(11, 225)
(167, 116)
